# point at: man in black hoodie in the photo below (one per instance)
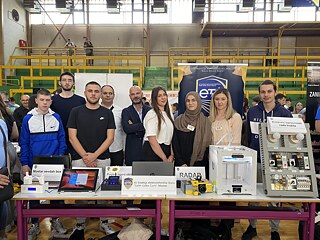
(267, 107)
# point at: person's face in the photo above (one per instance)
(299, 106)
(191, 103)
(92, 93)
(267, 93)
(282, 101)
(254, 103)
(288, 103)
(107, 95)
(4, 96)
(221, 101)
(43, 102)
(135, 95)
(66, 83)
(24, 101)
(162, 99)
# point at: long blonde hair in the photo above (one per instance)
(213, 109)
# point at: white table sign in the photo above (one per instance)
(286, 126)
(186, 173)
(51, 172)
(118, 171)
(148, 185)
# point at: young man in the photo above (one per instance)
(42, 134)
(267, 107)
(132, 124)
(116, 148)
(88, 46)
(91, 132)
(281, 99)
(64, 102)
(21, 111)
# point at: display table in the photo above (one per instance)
(85, 210)
(192, 211)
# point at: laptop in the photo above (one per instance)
(78, 180)
(53, 159)
(152, 168)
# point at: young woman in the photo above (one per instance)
(226, 130)
(297, 108)
(192, 137)
(158, 124)
(226, 122)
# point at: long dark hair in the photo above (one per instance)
(154, 95)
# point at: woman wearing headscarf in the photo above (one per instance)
(192, 135)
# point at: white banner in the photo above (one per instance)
(51, 172)
(148, 185)
(186, 173)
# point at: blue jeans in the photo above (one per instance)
(3, 215)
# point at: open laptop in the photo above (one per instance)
(78, 180)
(53, 159)
(145, 168)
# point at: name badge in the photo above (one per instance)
(190, 127)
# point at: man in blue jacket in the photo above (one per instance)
(42, 134)
(132, 124)
(267, 107)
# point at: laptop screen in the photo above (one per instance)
(53, 159)
(78, 180)
(152, 168)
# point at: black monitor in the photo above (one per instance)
(53, 159)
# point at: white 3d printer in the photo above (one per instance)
(233, 169)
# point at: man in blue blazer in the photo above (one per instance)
(132, 124)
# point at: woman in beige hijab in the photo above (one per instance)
(192, 135)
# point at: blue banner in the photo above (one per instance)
(305, 3)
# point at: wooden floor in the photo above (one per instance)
(288, 229)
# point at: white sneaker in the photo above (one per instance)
(105, 227)
(34, 230)
(58, 227)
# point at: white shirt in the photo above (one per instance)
(119, 135)
(150, 124)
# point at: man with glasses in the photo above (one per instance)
(64, 102)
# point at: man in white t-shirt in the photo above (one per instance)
(116, 148)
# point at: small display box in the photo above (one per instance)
(233, 169)
(287, 159)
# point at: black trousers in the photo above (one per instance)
(117, 158)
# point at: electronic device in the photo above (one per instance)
(33, 184)
(100, 176)
(152, 168)
(287, 165)
(78, 180)
(52, 159)
(112, 183)
(233, 169)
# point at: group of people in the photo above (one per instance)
(60, 125)
(87, 45)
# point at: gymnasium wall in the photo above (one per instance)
(162, 38)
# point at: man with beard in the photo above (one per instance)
(91, 132)
(21, 111)
(132, 124)
(64, 102)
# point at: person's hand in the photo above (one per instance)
(184, 165)
(4, 180)
(170, 158)
(90, 159)
(26, 169)
(130, 122)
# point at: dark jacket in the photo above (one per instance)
(259, 114)
(135, 133)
